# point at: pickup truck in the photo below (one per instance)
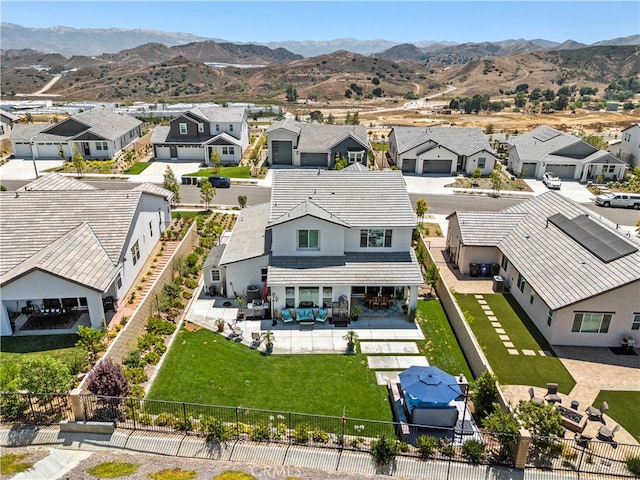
(619, 200)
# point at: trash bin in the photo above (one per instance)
(484, 269)
(498, 284)
(495, 269)
(474, 269)
(184, 180)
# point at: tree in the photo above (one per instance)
(347, 120)
(421, 255)
(561, 102)
(520, 100)
(107, 379)
(214, 158)
(242, 201)
(540, 419)
(485, 393)
(316, 116)
(171, 183)
(28, 118)
(431, 276)
(348, 93)
(77, 160)
(375, 81)
(292, 93)
(522, 88)
(477, 173)
(331, 119)
(505, 425)
(490, 129)
(595, 141)
(496, 179)
(384, 450)
(421, 209)
(355, 120)
(61, 153)
(378, 92)
(43, 374)
(90, 340)
(207, 192)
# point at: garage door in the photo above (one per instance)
(409, 165)
(436, 166)
(282, 152)
(189, 153)
(313, 159)
(162, 153)
(48, 151)
(563, 171)
(529, 170)
(23, 151)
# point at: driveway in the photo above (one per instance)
(570, 189)
(154, 173)
(22, 169)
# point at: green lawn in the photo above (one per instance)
(204, 367)
(15, 349)
(514, 369)
(441, 346)
(137, 168)
(621, 408)
(231, 172)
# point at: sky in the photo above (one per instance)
(398, 21)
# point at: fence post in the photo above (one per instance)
(184, 417)
(79, 413)
(522, 449)
(33, 413)
(134, 411)
(289, 425)
(237, 425)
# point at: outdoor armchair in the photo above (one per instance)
(552, 393)
(597, 412)
(533, 398)
(608, 433)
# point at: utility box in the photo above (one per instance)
(498, 284)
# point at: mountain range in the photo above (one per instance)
(69, 41)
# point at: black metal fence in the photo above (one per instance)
(35, 408)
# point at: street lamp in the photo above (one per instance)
(33, 157)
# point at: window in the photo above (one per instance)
(635, 325)
(228, 150)
(119, 281)
(150, 229)
(375, 238)
(532, 296)
(217, 127)
(263, 274)
(309, 294)
(83, 302)
(356, 156)
(482, 161)
(611, 169)
(200, 127)
(215, 275)
(591, 322)
(290, 297)
(102, 146)
(135, 252)
(504, 263)
(183, 128)
(327, 297)
(521, 283)
(231, 127)
(308, 239)
(549, 317)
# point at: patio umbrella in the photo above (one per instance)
(429, 385)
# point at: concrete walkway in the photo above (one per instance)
(55, 465)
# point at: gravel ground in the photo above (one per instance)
(207, 469)
(34, 454)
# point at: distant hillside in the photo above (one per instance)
(311, 48)
(234, 53)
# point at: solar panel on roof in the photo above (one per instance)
(545, 134)
(602, 243)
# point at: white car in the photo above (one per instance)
(551, 180)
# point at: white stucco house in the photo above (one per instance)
(7, 121)
(325, 234)
(545, 149)
(195, 134)
(573, 273)
(440, 150)
(627, 147)
(67, 245)
(98, 133)
(316, 144)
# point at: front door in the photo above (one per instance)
(85, 148)
(173, 151)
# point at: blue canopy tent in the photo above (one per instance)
(428, 392)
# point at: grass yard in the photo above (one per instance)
(231, 172)
(203, 367)
(441, 346)
(621, 407)
(514, 369)
(137, 168)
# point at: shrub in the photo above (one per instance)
(384, 450)
(133, 359)
(90, 340)
(473, 450)
(152, 358)
(135, 375)
(145, 419)
(174, 474)
(301, 433)
(136, 391)
(485, 393)
(159, 347)
(113, 469)
(165, 420)
(190, 283)
(427, 445)
(447, 451)
(213, 429)
(12, 406)
(184, 424)
(320, 436)
(633, 464)
(234, 475)
(43, 375)
(260, 432)
(403, 447)
(146, 341)
(11, 463)
(107, 379)
(159, 326)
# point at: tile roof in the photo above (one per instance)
(289, 124)
(486, 228)
(559, 269)
(249, 238)
(32, 220)
(154, 189)
(359, 198)
(320, 137)
(55, 181)
(220, 114)
(308, 208)
(461, 141)
(354, 268)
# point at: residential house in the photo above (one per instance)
(67, 244)
(545, 149)
(98, 133)
(7, 121)
(440, 150)
(322, 237)
(316, 145)
(627, 147)
(574, 274)
(195, 134)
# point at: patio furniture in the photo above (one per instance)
(255, 339)
(304, 315)
(533, 398)
(552, 393)
(322, 316)
(236, 332)
(597, 412)
(384, 302)
(375, 303)
(608, 433)
(583, 440)
(286, 315)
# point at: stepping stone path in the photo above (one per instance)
(380, 357)
(503, 334)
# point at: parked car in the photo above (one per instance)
(551, 180)
(220, 182)
(619, 200)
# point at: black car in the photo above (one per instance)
(220, 182)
